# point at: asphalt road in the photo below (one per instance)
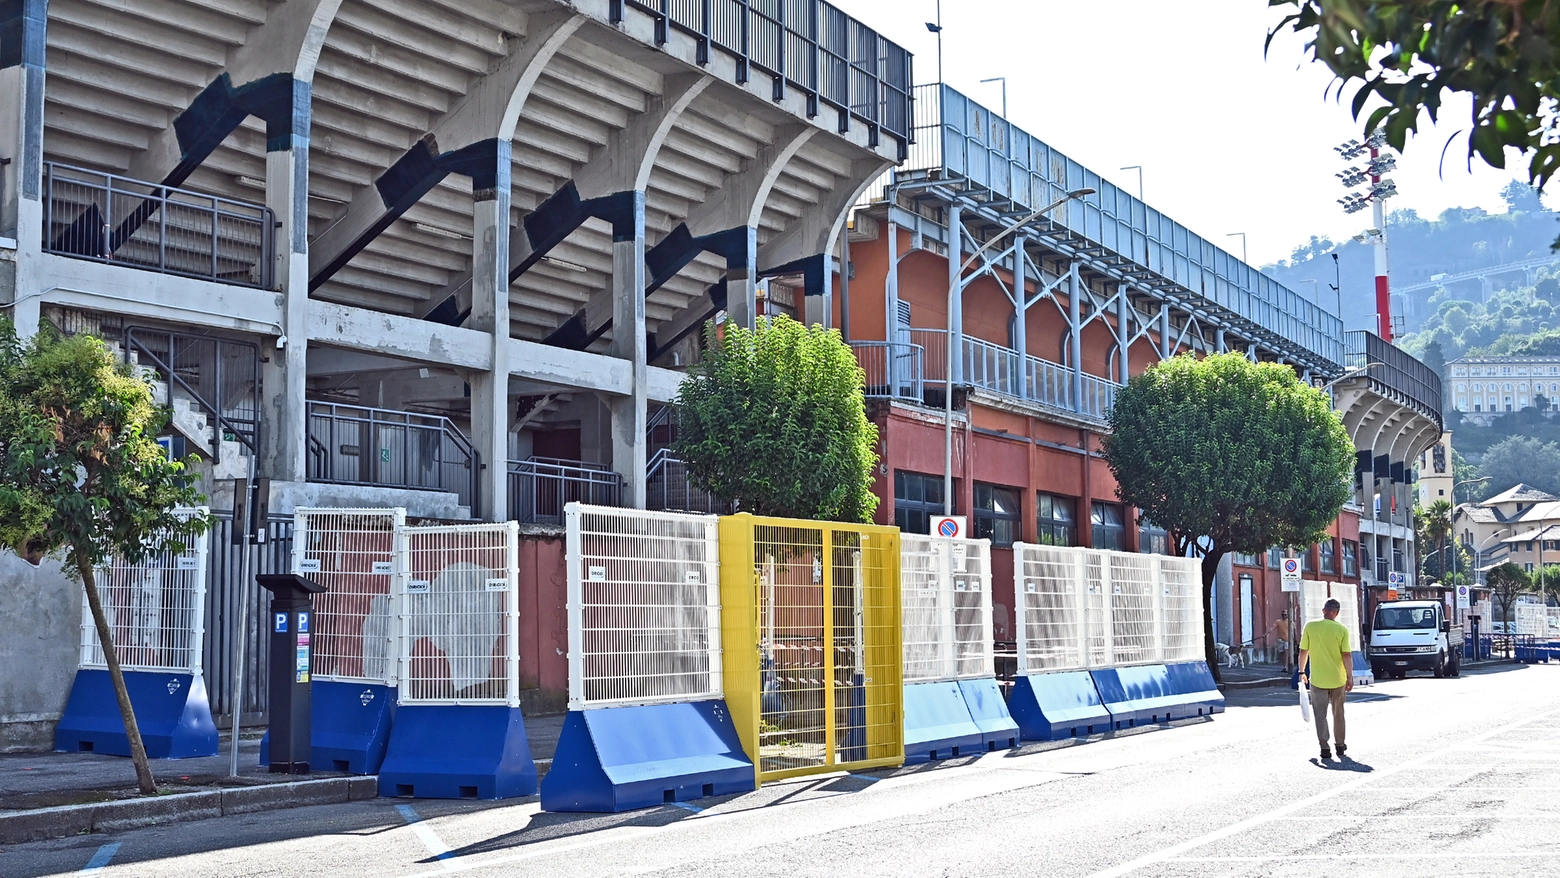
(1450, 777)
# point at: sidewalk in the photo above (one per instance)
(52, 795)
(1255, 676)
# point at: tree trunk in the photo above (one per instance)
(143, 768)
(1210, 571)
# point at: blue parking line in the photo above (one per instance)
(866, 777)
(101, 858)
(686, 807)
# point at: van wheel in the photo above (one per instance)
(1440, 665)
(1456, 669)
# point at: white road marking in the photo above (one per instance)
(1437, 856)
(1176, 850)
(101, 858)
(427, 836)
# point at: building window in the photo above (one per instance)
(1329, 556)
(1275, 557)
(1462, 402)
(917, 500)
(1152, 539)
(1058, 520)
(1109, 526)
(1245, 560)
(1306, 564)
(997, 517)
(1351, 558)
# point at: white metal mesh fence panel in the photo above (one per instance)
(1531, 619)
(946, 602)
(459, 639)
(972, 622)
(644, 606)
(1181, 603)
(352, 553)
(1050, 600)
(155, 609)
(1082, 608)
(1314, 596)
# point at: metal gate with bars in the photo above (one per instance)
(813, 643)
(1314, 595)
(460, 629)
(155, 609)
(1083, 609)
(352, 552)
(946, 587)
(644, 607)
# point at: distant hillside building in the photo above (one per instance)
(1515, 525)
(1484, 387)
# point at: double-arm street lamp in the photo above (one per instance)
(954, 282)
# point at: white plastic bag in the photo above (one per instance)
(1305, 704)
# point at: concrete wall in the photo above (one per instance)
(40, 611)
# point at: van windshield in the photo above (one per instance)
(1405, 617)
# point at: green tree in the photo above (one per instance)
(1506, 582)
(1521, 198)
(1406, 57)
(1229, 456)
(1435, 530)
(775, 420)
(1523, 459)
(82, 475)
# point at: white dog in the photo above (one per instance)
(1232, 657)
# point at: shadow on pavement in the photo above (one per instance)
(1343, 763)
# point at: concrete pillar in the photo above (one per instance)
(630, 414)
(1166, 344)
(1123, 334)
(956, 293)
(1219, 341)
(1021, 316)
(284, 415)
(1075, 337)
(490, 313)
(741, 282)
(21, 141)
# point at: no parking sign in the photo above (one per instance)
(950, 526)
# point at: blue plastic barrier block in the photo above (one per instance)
(458, 752)
(1049, 707)
(1363, 675)
(349, 728)
(1197, 694)
(938, 724)
(989, 711)
(171, 711)
(1158, 693)
(621, 758)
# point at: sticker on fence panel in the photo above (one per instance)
(946, 601)
(351, 552)
(644, 604)
(458, 641)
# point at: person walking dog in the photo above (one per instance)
(1325, 642)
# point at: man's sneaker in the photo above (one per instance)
(1327, 754)
(1342, 750)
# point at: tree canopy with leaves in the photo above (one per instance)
(774, 420)
(1229, 456)
(1506, 582)
(1406, 56)
(82, 475)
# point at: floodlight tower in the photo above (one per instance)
(1380, 190)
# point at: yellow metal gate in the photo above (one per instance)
(811, 619)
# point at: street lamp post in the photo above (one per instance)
(1242, 237)
(1003, 80)
(1139, 169)
(948, 352)
(1455, 486)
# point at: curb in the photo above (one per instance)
(69, 820)
(1263, 683)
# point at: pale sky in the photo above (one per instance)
(1229, 141)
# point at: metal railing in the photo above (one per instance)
(1395, 374)
(995, 369)
(667, 488)
(222, 376)
(540, 488)
(804, 44)
(107, 218)
(964, 143)
(355, 445)
(891, 370)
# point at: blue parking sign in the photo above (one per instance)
(281, 623)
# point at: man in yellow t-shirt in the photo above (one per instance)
(1326, 643)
